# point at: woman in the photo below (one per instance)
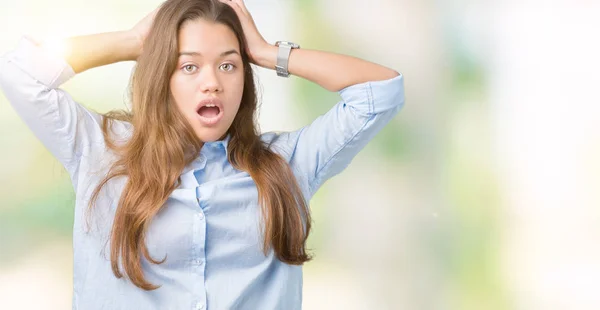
(180, 202)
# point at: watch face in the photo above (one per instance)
(291, 44)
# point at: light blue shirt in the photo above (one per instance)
(209, 226)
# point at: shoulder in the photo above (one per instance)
(118, 129)
(281, 142)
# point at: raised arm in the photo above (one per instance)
(330, 70)
(95, 50)
(30, 76)
(371, 95)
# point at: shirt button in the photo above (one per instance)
(200, 215)
(198, 262)
(199, 306)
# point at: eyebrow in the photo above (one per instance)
(229, 52)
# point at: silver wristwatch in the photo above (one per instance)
(283, 57)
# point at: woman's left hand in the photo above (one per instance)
(257, 46)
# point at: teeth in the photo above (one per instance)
(210, 105)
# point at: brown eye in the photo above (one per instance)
(188, 66)
(229, 67)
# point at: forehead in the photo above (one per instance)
(206, 37)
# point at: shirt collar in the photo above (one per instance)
(222, 144)
(210, 147)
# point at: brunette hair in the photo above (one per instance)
(163, 143)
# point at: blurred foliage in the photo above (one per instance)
(394, 142)
(469, 243)
(47, 215)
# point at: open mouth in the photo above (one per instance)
(210, 111)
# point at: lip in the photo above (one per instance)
(214, 120)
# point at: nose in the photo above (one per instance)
(209, 81)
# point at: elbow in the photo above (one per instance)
(388, 74)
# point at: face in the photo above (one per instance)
(209, 72)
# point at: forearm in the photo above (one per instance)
(329, 70)
(95, 50)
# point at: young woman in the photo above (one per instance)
(180, 202)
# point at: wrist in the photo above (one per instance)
(132, 44)
(266, 57)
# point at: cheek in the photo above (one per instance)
(180, 93)
(238, 88)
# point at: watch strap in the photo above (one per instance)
(283, 56)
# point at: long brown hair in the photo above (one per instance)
(163, 143)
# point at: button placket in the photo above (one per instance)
(198, 262)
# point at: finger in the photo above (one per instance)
(240, 9)
(233, 5)
(242, 6)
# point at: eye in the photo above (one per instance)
(188, 66)
(229, 68)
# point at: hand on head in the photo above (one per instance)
(142, 28)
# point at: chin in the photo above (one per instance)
(210, 135)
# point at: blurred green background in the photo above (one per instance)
(480, 194)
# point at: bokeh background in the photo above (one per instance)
(480, 194)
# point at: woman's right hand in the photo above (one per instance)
(142, 28)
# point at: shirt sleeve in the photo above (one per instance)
(30, 77)
(326, 147)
